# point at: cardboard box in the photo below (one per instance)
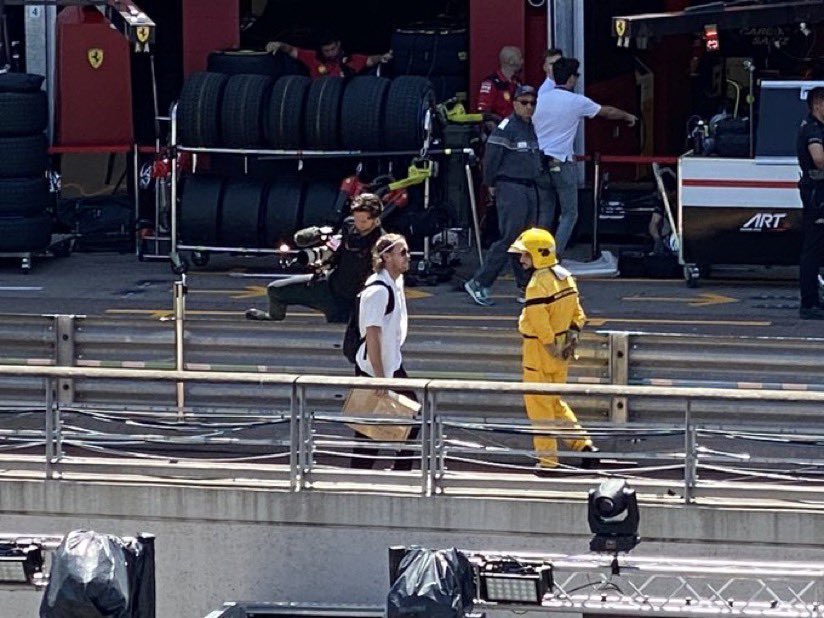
(364, 402)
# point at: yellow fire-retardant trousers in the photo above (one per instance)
(540, 366)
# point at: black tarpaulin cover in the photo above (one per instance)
(432, 584)
(97, 575)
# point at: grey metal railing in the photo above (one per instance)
(434, 352)
(296, 450)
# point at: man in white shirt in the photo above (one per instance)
(383, 321)
(556, 119)
(551, 56)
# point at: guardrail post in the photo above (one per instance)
(294, 440)
(303, 437)
(428, 443)
(180, 313)
(65, 356)
(49, 426)
(690, 455)
(619, 375)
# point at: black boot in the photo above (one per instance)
(589, 463)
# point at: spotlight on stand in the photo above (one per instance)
(21, 563)
(508, 581)
(613, 517)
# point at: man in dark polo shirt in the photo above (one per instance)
(810, 149)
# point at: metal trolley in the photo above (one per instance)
(199, 253)
(746, 211)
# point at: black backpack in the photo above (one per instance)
(351, 338)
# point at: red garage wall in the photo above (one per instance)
(495, 23)
(208, 25)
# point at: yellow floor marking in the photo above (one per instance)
(702, 300)
(601, 321)
(258, 291)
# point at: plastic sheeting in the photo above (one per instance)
(97, 575)
(432, 584)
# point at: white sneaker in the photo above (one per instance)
(477, 293)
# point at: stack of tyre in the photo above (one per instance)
(364, 113)
(438, 52)
(25, 223)
(247, 214)
(246, 112)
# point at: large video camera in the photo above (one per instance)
(315, 247)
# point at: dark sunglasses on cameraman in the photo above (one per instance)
(530, 102)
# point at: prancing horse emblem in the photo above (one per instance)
(95, 57)
(620, 27)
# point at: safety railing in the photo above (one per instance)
(303, 448)
(435, 352)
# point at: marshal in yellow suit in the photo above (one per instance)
(550, 323)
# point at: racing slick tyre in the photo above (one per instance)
(285, 112)
(200, 210)
(253, 62)
(21, 82)
(23, 157)
(320, 204)
(244, 104)
(242, 62)
(240, 214)
(406, 104)
(198, 112)
(363, 113)
(430, 49)
(281, 212)
(23, 113)
(323, 117)
(25, 233)
(24, 197)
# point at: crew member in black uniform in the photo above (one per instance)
(333, 288)
(810, 148)
(512, 163)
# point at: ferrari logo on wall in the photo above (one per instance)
(620, 27)
(142, 33)
(95, 57)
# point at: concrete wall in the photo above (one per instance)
(216, 544)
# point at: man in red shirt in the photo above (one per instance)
(498, 89)
(329, 58)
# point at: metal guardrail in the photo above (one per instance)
(438, 352)
(295, 449)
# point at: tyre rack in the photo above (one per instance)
(180, 265)
(61, 245)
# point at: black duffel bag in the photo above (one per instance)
(732, 137)
(102, 223)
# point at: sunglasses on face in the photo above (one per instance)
(529, 103)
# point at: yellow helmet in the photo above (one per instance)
(539, 244)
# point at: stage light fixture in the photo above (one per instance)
(515, 582)
(613, 517)
(20, 563)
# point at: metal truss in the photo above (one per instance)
(602, 584)
(125, 15)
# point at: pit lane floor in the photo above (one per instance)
(735, 301)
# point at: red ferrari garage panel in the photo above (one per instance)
(94, 101)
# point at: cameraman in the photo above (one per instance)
(337, 281)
